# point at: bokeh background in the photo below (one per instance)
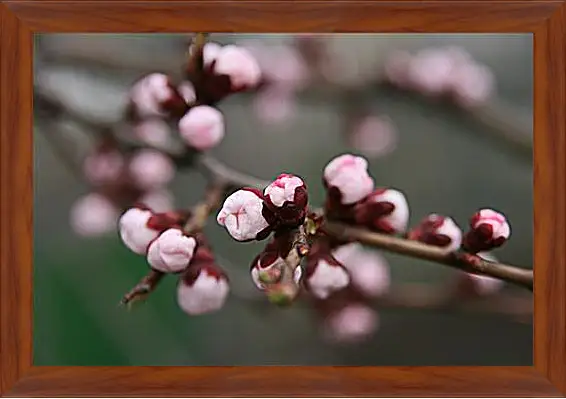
(444, 159)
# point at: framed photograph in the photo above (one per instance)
(274, 198)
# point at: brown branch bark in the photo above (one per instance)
(462, 261)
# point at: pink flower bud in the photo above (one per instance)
(488, 229)
(325, 275)
(287, 198)
(472, 84)
(480, 284)
(368, 270)
(171, 252)
(351, 324)
(373, 136)
(209, 52)
(135, 231)
(264, 269)
(151, 169)
(149, 94)
(242, 215)
(203, 289)
(385, 210)
(103, 167)
(438, 230)
(202, 127)
(349, 174)
(158, 201)
(430, 71)
(93, 215)
(239, 65)
(155, 132)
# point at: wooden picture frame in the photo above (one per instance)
(20, 19)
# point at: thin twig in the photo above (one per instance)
(465, 262)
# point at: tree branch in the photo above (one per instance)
(462, 261)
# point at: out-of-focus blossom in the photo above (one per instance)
(238, 64)
(202, 127)
(472, 84)
(103, 167)
(325, 275)
(171, 252)
(368, 270)
(373, 136)
(430, 71)
(155, 132)
(351, 324)
(480, 284)
(349, 174)
(154, 95)
(150, 169)
(385, 210)
(93, 215)
(158, 200)
(242, 215)
(187, 91)
(397, 68)
(488, 229)
(274, 105)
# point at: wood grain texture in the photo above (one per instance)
(546, 19)
(15, 199)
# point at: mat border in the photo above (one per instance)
(20, 19)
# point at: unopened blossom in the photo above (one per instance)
(325, 275)
(151, 169)
(103, 167)
(155, 132)
(488, 229)
(430, 71)
(202, 127)
(239, 65)
(282, 66)
(368, 270)
(202, 289)
(438, 230)
(154, 95)
(480, 284)
(265, 269)
(349, 175)
(373, 136)
(287, 198)
(385, 210)
(472, 84)
(171, 252)
(93, 215)
(209, 52)
(135, 231)
(351, 324)
(242, 215)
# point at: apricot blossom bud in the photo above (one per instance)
(488, 229)
(202, 289)
(93, 215)
(171, 252)
(154, 95)
(135, 231)
(385, 210)
(202, 127)
(242, 215)
(239, 65)
(324, 275)
(151, 169)
(287, 198)
(438, 230)
(368, 270)
(349, 174)
(155, 132)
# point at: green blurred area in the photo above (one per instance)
(444, 163)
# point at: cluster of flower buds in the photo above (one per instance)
(441, 71)
(203, 286)
(118, 180)
(226, 70)
(353, 198)
(250, 214)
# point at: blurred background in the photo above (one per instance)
(448, 156)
